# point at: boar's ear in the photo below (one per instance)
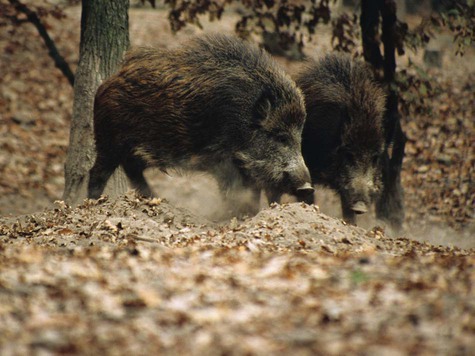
(263, 106)
(346, 125)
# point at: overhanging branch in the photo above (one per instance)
(59, 60)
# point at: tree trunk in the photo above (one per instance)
(104, 40)
(369, 22)
(390, 205)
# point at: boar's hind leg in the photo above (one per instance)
(134, 168)
(99, 175)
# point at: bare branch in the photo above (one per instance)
(59, 60)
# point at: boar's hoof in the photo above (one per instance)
(305, 189)
(359, 207)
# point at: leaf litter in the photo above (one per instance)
(137, 275)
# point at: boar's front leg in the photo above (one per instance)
(349, 214)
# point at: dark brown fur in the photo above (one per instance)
(215, 104)
(343, 137)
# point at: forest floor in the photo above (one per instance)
(144, 276)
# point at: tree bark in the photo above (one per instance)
(369, 22)
(390, 205)
(104, 40)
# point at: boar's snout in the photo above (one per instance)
(305, 190)
(361, 189)
(298, 178)
(360, 207)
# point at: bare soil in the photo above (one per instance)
(138, 276)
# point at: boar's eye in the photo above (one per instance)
(375, 160)
(280, 137)
(255, 126)
(350, 157)
(263, 106)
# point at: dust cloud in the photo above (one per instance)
(199, 193)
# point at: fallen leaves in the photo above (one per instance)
(440, 157)
(213, 295)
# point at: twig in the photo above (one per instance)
(59, 60)
(146, 239)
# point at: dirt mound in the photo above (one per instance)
(287, 227)
(142, 276)
(104, 221)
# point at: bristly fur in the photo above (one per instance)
(212, 101)
(343, 135)
(337, 82)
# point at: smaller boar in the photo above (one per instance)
(343, 139)
(215, 104)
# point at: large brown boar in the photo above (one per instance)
(215, 104)
(343, 138)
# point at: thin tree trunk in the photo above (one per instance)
(369, 22)
(390, 205)
(104, 40)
